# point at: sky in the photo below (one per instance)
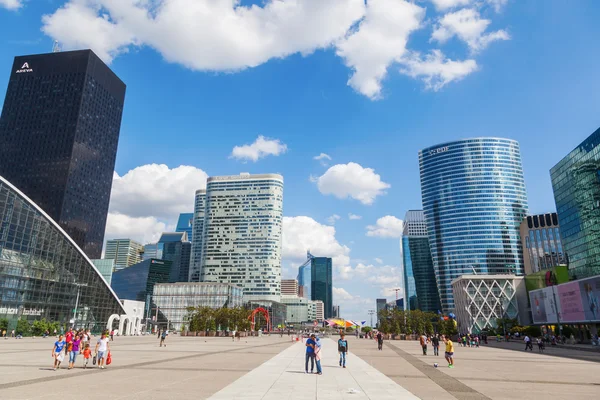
(338, 96)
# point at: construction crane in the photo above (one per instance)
(396, 290)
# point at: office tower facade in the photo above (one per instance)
(177, 249)
(298, 309)
(304, 281)
(43, 273)
(198, 236)
(540, 239)
(577, 195)
(380, 306)
(322, 283)
(474, 199)
(185, 224)
(420, 285)
(152, 250)
(125, 252)
(289, 287)
(336, 312)
(106, 268)
(242, 234)
(320, 310)
(137, 281)
(59, 132)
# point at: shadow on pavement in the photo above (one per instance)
(573, 354)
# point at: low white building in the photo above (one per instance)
(481, 299)
(319, 310)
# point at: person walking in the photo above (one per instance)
(449, 355)
(112, 335)
(163, 336)
(342, 349)
(435, 342)
(318, 356)
(528, 344)
(69, 339)
(101, 350)
(87, 353)
(57, 352)
(379, 341)
(75, 347)
(423, 340)
(310, 354)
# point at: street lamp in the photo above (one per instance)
(79, 286)
(371, 312)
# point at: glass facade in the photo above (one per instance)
(59, 132)
(177, 249)
(152, 250)
(106, 268)
(277, 311)
(198, 236)
(297, 309)
(42, 270)
(542, 247)
(304, 278)
(576, 185)
(173, 299)
(185, 224)
(410, 289)
(474, 199)
(137, 281)
(321, 283)
(125, 252)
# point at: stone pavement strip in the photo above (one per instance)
(283, 377)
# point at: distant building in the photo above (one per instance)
(277, 312)
(304, 280)
(542, 248)
(137, 282)
(185, 223)
(321, 283)
(125, 252)
(381, 305)
(198, 236)
(298, 309)
(173, 299)
(319, 310)
(577, 195)
(177, 249)
(289, 287)
(106, 268)
(152, 250)
(336, 312)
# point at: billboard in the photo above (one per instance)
(543, 307)
(570, 302)
(590, 293)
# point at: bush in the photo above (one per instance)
(23, 327)
(3, 324)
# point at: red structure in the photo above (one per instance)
(264, 312)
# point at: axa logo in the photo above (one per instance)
(24, 68)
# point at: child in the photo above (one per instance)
(343, 349)
(86, 355)
(57, 352)
(318, 356)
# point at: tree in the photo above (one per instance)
(3, 324)
(367, 329)
(23, 327)
(448, 327)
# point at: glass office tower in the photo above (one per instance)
(185, 223)
(198, 236)
(576, 185)
(59, 132)
(137, 281)
(474, 199)
(177, 249)
(321, 283)
(43, 274)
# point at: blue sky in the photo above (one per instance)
(197, 88)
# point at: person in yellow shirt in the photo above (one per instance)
(449, 351)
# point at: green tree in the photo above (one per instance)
(366, 329)
(23, 327)
(3, 324)
(39, 327)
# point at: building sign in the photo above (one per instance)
(24, 68)
(26, 311)
(438, 150)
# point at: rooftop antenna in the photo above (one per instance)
(56, 47)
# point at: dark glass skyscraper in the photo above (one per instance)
(177, 249)
(59, 132)
(321, 283)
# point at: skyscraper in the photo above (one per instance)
(474, 199)
(198, 236)
(177, 249)
(125, 252)
(185, 223)
(59, 132)
(321, 283)
(289, 287)
(540, 238)
(242, 234)
(420, 289)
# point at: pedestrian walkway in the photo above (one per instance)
(283, 377)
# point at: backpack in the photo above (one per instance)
(342, 345)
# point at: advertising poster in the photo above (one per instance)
(570, 302)
(590, 295)
(543, 309)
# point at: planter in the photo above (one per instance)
(212, 334)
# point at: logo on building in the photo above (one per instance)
(24, 68)
(438, 150)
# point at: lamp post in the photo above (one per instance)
(79, 286)
(371, 312)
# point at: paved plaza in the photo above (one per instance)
(273, 368)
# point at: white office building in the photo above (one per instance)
(241, 241)
(197, 236)
(289, 287)
(319, 310)
(125, 252)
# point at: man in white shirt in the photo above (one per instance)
(102, 349)
(528, 344)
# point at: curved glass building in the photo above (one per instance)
(474, 200)
(43, 273)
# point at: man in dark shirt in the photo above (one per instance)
(435, 342)
(379, 341)
(310, 354)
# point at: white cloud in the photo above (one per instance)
(261, 148)
(156, 190)
(379, 260)
(332, 219)
(304, 233)
(386, 227)
(322, 156)
(378, 42)
(436, 70)
(468, 26)
(498, 5)
(353, 216)
(340, 294)
(11, 4)
(352, 180)
(443, 5)
(142, 229)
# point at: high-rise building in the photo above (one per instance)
(59, 132)
(474, 199)
(298, 309)
(320, 310)
(137, 282)
(540, 238)
(185, 224)
(198, 236)
(152, 250)
(289, 287)
(242, 234)
(125, 252)
(336, 312)
(577, 195)
(321, 283)
(177, 249)
(304, 279)
(420, 286)
(106, 268)
(381, 305)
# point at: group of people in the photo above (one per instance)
(424, 340)
(74, 343)
(471, 340)
(313, 353)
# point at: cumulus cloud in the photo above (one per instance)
(386, 227)
(11, 4)
(323, 158)
(379, 260)
(332, 219)
(156, 190)
(381, 276)
(142, 229)
(498, 5)
(261, 148)
(436, 70)
(304, 233)
(340, 294)
(353, 216)
(352, 181)
(443, 5)
(378, 42)
(468, 26)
